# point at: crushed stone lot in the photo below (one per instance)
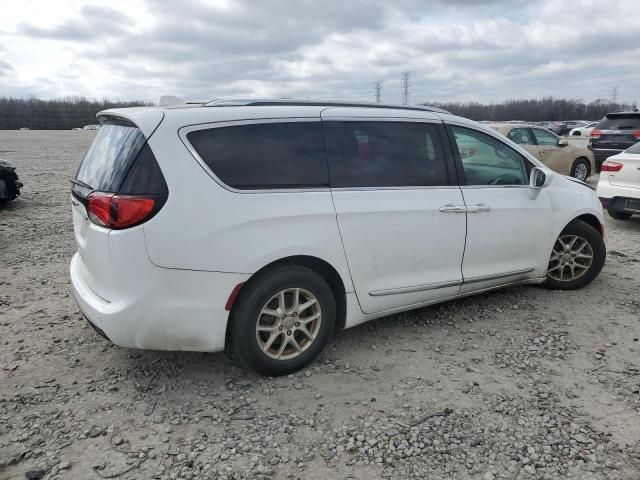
(523, 383)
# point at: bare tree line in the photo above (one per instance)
(73, 112)
(58, 114)
(536, 110)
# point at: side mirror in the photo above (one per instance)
(563, 142)
(538, 180)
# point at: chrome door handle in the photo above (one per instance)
(481, 207)
(451, 208)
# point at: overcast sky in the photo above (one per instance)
(478, 50)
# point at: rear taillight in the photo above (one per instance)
(608, 166)
(595, 133)
(110, 210)
(636, 134)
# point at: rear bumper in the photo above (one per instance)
(614, 196)
(165, 309)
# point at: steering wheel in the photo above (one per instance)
(502, 180)
(502, 154)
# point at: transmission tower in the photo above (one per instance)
(614, 96)
(378, 85)
(406, 77)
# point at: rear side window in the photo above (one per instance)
(265, 155)
(520, 136)
(620, 122)
(385, 154)
(110, 156)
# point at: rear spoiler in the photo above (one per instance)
(145, 118)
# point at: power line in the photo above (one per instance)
(378, 85)
(406, 76)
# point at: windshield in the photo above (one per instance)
(110, 156)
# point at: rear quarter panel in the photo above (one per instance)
(204, 226)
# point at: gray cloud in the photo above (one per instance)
(457, 50)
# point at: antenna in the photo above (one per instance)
(406, 76)
(378, 85)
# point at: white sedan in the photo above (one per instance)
(619, 183)
(583, 131)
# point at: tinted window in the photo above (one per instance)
(620, 122)
(487, 161)
(266, 155)
(545, 138)
(520, 136)
(145, 176)
(385, 154)
(109, 157)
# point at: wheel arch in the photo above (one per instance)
(593, 221)
(318, 265)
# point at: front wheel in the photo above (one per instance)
(283, 320)
(581, 169)
(577, 257)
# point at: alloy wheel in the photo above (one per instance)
(288, 323)
(571, 258)
(581, 171)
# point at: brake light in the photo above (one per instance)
(636, 134)
(118, 211)
(608, 166)
(595, 133)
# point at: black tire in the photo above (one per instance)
(617, 214)
(576, 164)
(255, 295)
(592, 236)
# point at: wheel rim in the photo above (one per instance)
(571, 258)
(288, 323)
(581, 171)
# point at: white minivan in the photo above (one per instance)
(267, 225)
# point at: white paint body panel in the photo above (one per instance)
(164, 284)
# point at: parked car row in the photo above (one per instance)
(555, 152)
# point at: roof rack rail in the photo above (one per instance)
(318, 103)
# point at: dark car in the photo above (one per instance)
(9, 183)
(568, 125)
(614, 134)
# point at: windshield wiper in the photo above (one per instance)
(80, 183)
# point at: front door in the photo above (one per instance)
(551, 153)
(400, 213)
(508, 233)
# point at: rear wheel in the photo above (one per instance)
(577, 257)
(283, 320)
(617, 214)
(581, 169)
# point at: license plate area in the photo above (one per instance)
(632, 206)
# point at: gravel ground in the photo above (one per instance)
(520, 384)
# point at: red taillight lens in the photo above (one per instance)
(636, 134)
(99, 208)
(595, 133)
(118, 211)
(608, 166)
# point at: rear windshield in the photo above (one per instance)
(620, 122)
(634, 148)
(110, 155)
